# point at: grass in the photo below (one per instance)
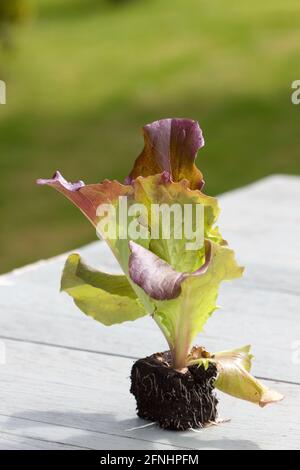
(85, 75)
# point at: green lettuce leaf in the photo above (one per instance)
(234, 378)
(159, 190)
(183, 301)
(107, 298)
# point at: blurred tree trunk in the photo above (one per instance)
(11, 11)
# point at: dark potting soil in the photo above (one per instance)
(175, 400)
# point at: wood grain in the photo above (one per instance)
(87, 397)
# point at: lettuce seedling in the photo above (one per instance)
(176, 286)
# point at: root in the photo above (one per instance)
(172, 399)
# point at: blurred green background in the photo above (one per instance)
(83, 76)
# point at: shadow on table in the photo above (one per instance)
(112, 430)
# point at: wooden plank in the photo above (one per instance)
(18, 442)
(265, 319)
(86, 394)
(267, 211)
(28, 434)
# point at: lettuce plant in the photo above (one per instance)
(177, 287)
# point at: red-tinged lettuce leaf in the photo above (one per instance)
(156, 277)
(183, 301)
(107, 298)
(171, 145)
(234, 378)
(88, 197)
(153, 190)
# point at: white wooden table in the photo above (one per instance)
(65, 383)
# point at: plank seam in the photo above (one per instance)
(123, 356)
(70, 348)
(266, 288)
(87, 430)
(43, 440)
